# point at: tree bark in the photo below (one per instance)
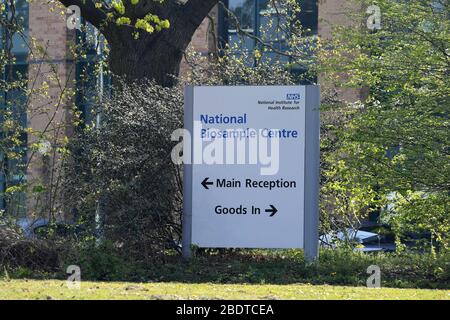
(155, 56)
(155, 60)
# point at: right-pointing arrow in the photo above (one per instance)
(273, 210)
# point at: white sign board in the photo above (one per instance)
(245, 183)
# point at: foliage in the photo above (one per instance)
(102, 261)
(19, 254)
(35, 91)
(117, 11)
(121, 186)
(121, 170)
(118, 170)
(280, 267)
(124, 14)
(419, 212)
(394, 143)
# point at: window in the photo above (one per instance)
(18, 44)
(253, 16)
(91, 80)
(244, 10)
(13, 101)
(309, 16)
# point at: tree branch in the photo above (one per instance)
(196, 10)
(95, 16)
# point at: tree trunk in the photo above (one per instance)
(154, 56)
(157, 59)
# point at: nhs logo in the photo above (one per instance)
(293, 96)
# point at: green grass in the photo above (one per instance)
(57, 289)
(280, 267)
(338, 268)
(283, 269)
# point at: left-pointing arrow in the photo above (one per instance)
(206, 183)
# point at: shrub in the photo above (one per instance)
(122, 170)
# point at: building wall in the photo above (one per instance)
(48, 112)
(331, 14)
(203, 40)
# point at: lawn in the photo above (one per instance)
(57, 289)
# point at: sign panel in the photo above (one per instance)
(250, 165)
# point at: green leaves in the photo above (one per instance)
(119, 6)
(149, 24)
(399, 139)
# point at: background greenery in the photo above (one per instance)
(387, 154)
(334, 267)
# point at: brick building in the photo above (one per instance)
(46, 27)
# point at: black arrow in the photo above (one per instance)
(272, 209)
(205, 183)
